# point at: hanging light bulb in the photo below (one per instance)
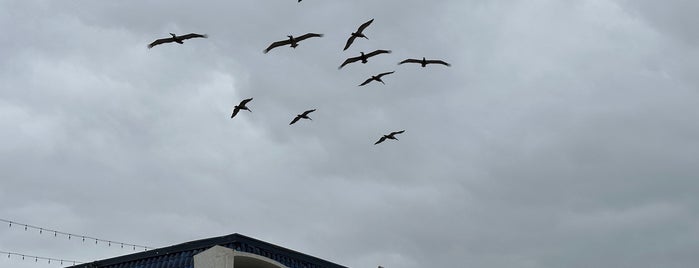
(25, 227)
(41, 230)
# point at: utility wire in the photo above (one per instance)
(37, 258)
(71, 235)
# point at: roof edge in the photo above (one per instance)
(203, 244)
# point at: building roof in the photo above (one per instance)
(182, 255)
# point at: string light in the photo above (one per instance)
(37, 258)
(70, 235)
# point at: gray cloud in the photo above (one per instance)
(563, 135)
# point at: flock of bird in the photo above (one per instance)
(293, 43)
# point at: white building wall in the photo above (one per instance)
(223, 257)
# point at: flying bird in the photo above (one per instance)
(304, 115)
(293, 41)
(424, 62)
(358, 33)
(391, 136)
(376, 78)
(176, 39)
(241, 106)
(363, 57)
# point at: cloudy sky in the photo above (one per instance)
(565, 134)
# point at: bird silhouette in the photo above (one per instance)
(241, 106)
(391, 136)
(376, 78)
(304, 115)
(358, 33)
(363, 57)
(176, 39)
(424, 62)
(293, 41)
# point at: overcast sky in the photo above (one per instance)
(565, 133)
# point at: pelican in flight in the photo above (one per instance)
(176, 39)
(358, 33)
(241, 106)
(376, 78)
(304, 115)
(424, 62)
(293, 41)
(391, 136)
(363, 57)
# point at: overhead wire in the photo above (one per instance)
(55, 233)
(37, 258)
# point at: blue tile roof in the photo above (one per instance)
(182, 255)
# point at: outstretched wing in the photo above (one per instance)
(161, 41)
(242, 103)
(396, 132)
(438, 62)
(235, 111)
(363, 26)
(192, 35)
(410, 61)
(308, 35)
(366, 82)
(308, 112)
(380, 140)
(348, 61)
(277, 44)
(295, 119)
(386, 73)
(377, 52)
(349, 42)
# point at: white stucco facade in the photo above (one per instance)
(223, 257)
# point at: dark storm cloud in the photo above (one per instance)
(563, 134)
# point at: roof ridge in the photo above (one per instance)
(238, 241)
